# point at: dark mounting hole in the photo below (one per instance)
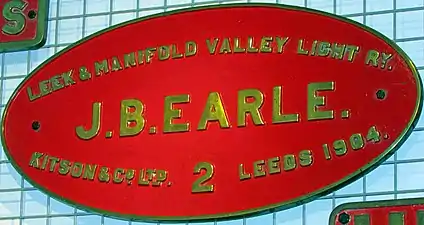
(36, 125)
(381, 94)
(32, 14)
(344, 218)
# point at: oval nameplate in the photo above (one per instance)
(212, 112)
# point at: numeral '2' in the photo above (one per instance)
(198, 185)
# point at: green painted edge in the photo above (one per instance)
(372, 204)
(256, 211)
(40, 37)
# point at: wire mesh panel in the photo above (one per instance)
(400, 176)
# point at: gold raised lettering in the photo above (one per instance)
(244, 107)
(116, 64)
(104, 175)
(324, 48)
(101, 67)
(385, 58)
(31, 96)
(129, 60)
(225, 46)
(149, 53)
(351, 51)
(132, 120)
(34, 162)
(76, 170)
(289, 162)
(64, 167)
(171, 113)
(237, 47)
(277, 108)
(313, 48)
(175, 54)
(356, 141)
(213, 111)
(242, 173)
(212, 45)
(338, 51)
(95, 124)
(118, 175)
(305, 158)
(160, 177)
(190, 48)
(44, 87)
(258, 168)
(300, 49)
(164, 53)
(84, 74)
(265, 45)
(340, 147)
(199, 185)
(142, 178)
(274, 165)
(67, 78)
(89, 172)
(281, 42)
(55, 83)
(53, 162)
(140, 57)
(45, 161)
(251, 45)
(314, 101)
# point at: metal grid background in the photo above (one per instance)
(402, 176)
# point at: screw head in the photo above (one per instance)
(344, 218)
(381, 94)
(36, 125)
(32, 14)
